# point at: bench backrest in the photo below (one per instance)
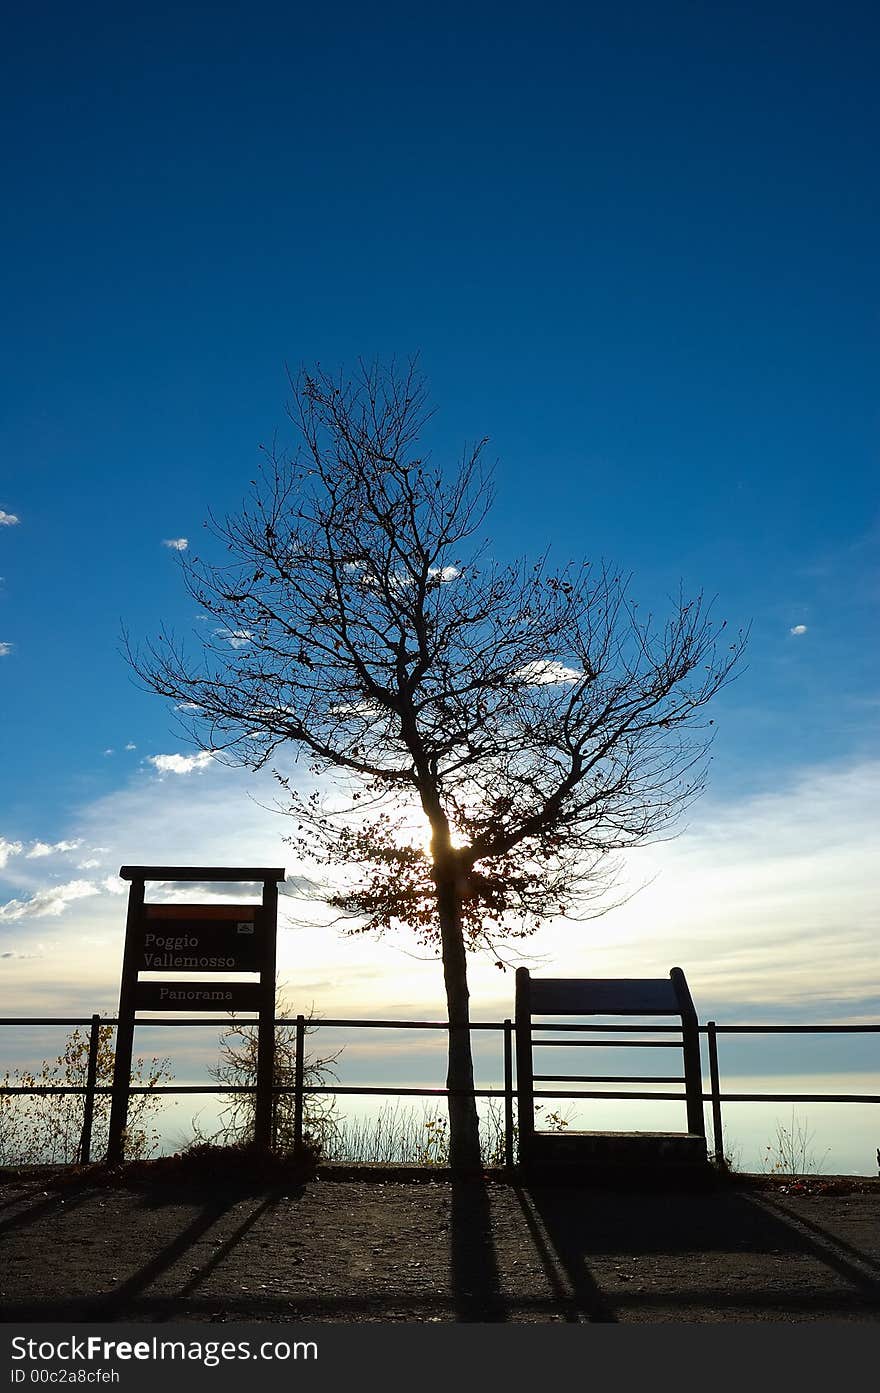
(605, 996)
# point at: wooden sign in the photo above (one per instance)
(197, 996)
(612, 996)
(201, 939)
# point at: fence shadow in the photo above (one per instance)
(562, 1250)
(129, 1295)
(582, 1232)
(498, 1253)
(37, 1206)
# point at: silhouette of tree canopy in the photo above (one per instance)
(532, 715)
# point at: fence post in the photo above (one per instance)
(716, 1093)
(525, 1095)
(85, 1145)
(125, 1024)
(298, 1087)
(508, 1094)
(264, 1107)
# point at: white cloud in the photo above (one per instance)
(39, 849)
(798, 629)
(766, 902)
(131, 745)
(8, 849)
(547, 673)
(8, 519)
(48, 903)
(769, 899)
(401, 580)
(344, 708)
(176, 543)
(236, 638)
(96, 857)
(180, 764)
(5, 649)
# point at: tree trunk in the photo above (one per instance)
(464, 1127)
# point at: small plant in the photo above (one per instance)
(554, 1121)
(396, 1135)
(791, 1150)
(733, 1158)
(492, 1136)
(45, 1129)
(435, 1143)
(239, 1047)
(202, 1166)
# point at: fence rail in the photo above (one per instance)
(91, 1089)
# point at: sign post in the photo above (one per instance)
(197, 939)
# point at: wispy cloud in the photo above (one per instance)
(40, 849)
(180, 764)
(176, 543)
(767, 902)
(48, 903)
(131, 745)
(402, 580)
(8, 849)
(5, 648)
(236, 638)
(798, 629)
(548, 673)
(8, 519)
(768, 899)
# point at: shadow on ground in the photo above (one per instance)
(397, 1250)
(724, 1254)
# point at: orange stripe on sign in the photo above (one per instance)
(243, 913)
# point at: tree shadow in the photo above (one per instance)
(476, 1281)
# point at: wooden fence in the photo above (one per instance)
(715, 1096)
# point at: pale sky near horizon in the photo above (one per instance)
(636, 246)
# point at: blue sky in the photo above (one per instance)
(635, 245)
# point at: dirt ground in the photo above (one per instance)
(377, 1247)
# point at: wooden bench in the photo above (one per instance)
(608, 1151)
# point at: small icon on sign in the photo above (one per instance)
(244, 928)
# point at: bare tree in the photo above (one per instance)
(533, 716)
(239, 1065)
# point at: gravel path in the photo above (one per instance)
(380, 1249)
